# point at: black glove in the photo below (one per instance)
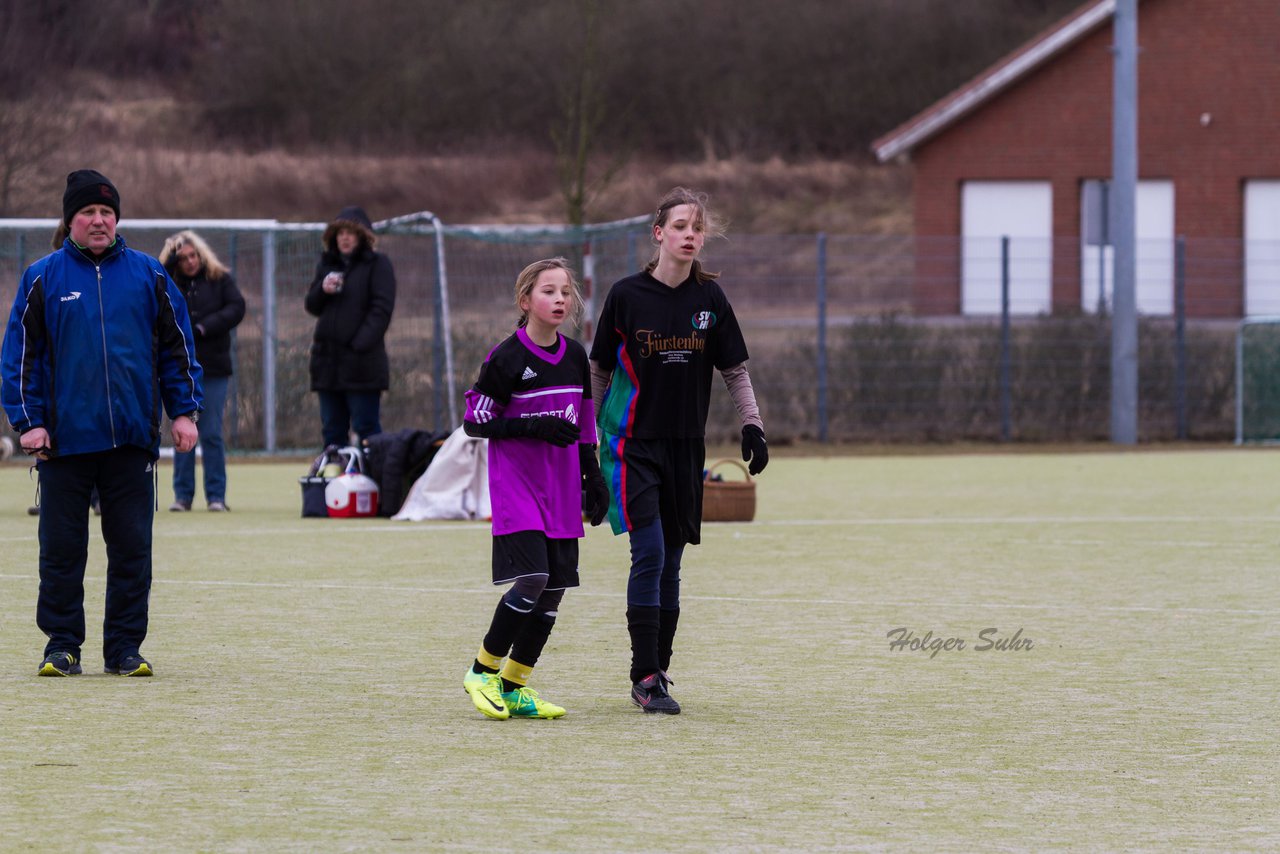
(597, 498)
(754, 449)
(548, 428)
(595, 494)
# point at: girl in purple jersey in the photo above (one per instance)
(662, 333)
(532, 402)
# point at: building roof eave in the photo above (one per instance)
(1008, 71)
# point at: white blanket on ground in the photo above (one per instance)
(455, 484)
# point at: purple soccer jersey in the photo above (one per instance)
(534, 485)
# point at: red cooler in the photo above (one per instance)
(351, 496)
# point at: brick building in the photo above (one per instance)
(1024, 150)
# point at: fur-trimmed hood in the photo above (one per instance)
(352, 217)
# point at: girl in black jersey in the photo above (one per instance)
(662, 333)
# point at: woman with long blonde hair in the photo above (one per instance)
(216, 307)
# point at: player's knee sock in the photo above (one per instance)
(512, 611)
(667, 620)
(527, 649)
(486, 662)
(515, 675)
(642, 624)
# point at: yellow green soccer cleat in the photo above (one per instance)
(525, 703)
(486, 692)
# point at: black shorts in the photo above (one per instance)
(655, 478)
(534, 553)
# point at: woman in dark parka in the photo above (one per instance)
(216, 307)
(353, 295)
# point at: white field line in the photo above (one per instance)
(923, 521)
(1026, 520)
(284, 532)
(772, 600)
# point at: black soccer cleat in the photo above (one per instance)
(650, 694)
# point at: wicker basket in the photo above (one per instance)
(728, 500)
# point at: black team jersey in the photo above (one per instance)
(661, 345)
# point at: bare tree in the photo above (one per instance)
(584, 112)
(750, 77)
(31, 125)
(30, 132)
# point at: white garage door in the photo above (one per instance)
(1023, 212)
(1261, 248)
(1153, 249)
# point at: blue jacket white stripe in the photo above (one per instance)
(95, 347)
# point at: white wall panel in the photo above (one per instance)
(1023, 212)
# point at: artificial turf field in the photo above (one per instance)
(308, 692)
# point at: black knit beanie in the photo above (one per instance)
(88, 187)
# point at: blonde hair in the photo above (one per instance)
(529, 277)
(711, 224)
(213, 268)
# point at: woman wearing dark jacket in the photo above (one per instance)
(353, 294)
(216, 307)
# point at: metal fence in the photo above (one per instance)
(852, 338)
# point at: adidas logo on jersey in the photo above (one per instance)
(528, 373)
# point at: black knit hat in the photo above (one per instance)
(88, 187)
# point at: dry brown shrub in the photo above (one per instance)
(133, 139)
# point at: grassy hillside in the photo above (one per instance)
(140, 136)
(458, 107)
(510, 187)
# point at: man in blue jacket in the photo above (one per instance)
(98, 340)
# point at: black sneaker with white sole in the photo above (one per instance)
(650, 694)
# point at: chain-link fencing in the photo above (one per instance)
(852, 338)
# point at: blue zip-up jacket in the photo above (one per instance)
(94, 347)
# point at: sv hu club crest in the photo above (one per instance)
(704, 319)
